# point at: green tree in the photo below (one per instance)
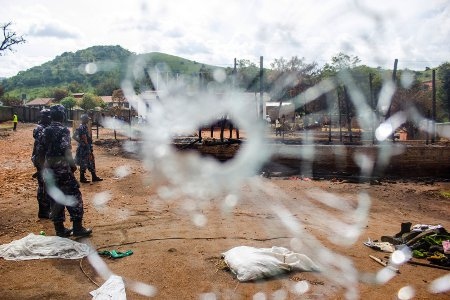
(107, 86)
(59, 94)
(247, 75)
(443, 89)
(339, 62)
(11, 100)
(290, 77)
(415, 97)
(75, 87)
(10, 38)
(90, 101)
(295, 64)
(68, 102)
(205, 76)
(344, 61)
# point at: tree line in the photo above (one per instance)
(99, 70)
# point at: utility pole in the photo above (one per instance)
(234, 73)
(261, 73)
(349, 119)
(372, 106)
(433, 107)
(394, 80)
(340, 116)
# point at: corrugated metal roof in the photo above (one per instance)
(40, 101)
(107, 99)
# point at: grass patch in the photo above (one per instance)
(6, 125)
(446, 194)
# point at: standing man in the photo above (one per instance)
(15, 121)
(85, 152)
(277, 127)
(58, 174)
(38, 162)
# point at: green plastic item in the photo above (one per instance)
(115, 254)
(418, 254)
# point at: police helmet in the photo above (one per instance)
(45, 115)
(57, 112)
(84, 118)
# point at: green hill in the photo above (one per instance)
(174, 64)
(101, 69)
(97, 69)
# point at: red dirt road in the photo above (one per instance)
(179, 258)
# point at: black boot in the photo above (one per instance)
(61, 230)
(79, 230)
(44, 212)
(404, 228)
(83, 178)
(95, 177)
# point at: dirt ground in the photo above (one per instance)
(180, 259)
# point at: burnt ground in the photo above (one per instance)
(180, 259)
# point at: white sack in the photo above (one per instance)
(112, 289)
(38, 247)
(249, 263)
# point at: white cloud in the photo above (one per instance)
(56, 30)
(215, 32)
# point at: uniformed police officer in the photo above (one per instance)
(58, 174)
(84, 156)
(38, 162)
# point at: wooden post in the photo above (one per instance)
(433, 108)
(349, 119)
(129, 120)
(394, 80)
(329, 127)
(329, 96)
(372, 106)
(340, 120)
(394, 72)
(261, 73)
(428, 127)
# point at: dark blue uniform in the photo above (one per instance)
(84, 156)
(59, 166)
(38, 162)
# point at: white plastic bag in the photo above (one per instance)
(249, 263)
(112, 289)
(38, 247)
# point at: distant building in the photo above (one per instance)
(40, 103)
(274, 110)
(148, 98)
(111, 103)
(78, 95)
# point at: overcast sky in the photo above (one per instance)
(417, 32)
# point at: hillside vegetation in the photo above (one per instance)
(97, 69)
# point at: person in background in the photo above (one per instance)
(38, 162)
(59, 168)
(277, 127)
(15, 121)
(84, 156)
